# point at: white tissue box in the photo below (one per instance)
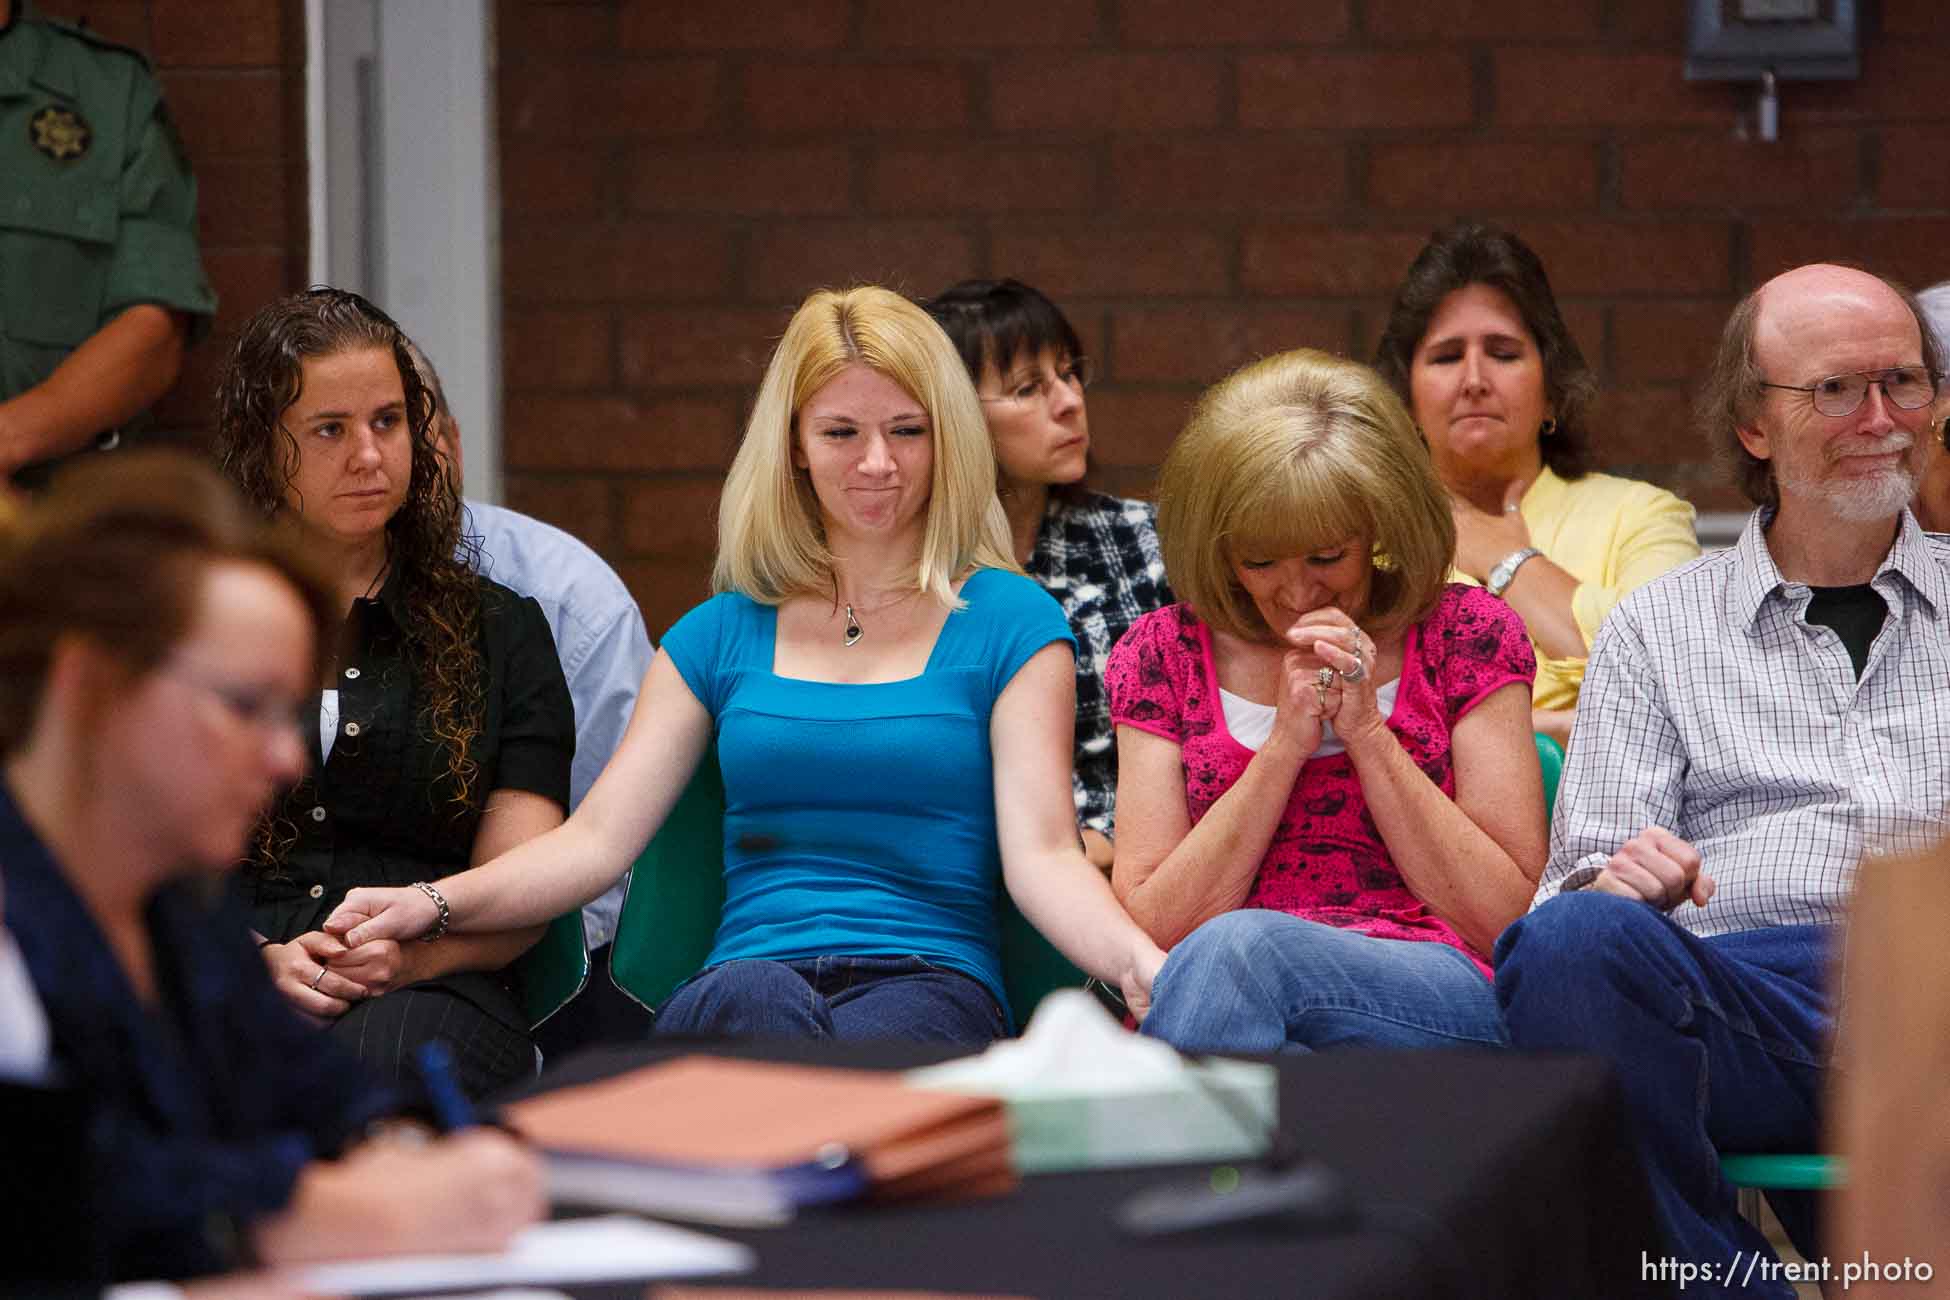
(1082, 1093)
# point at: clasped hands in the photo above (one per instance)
(1327, 677)
(323, 976)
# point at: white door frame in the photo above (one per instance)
(399, 112)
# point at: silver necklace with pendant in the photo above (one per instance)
(851, 637)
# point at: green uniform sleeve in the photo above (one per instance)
(156, 259)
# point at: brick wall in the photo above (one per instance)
(1195, 182)
(232, 72)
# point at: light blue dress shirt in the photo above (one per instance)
(599, 636)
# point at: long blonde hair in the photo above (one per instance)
(771, 545)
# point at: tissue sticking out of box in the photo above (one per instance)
(1084, 1093)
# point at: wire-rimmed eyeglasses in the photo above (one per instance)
(1904, 387)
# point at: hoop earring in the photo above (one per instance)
(1547, 429)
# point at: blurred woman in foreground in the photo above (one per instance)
(154, 647)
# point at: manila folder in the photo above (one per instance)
(713, 1112)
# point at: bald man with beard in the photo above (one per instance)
(1752, 725)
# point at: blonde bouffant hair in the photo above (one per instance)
(771, 543)
(1296, 454)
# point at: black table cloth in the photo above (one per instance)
(1476, 1174)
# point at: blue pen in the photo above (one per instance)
(451, 1109)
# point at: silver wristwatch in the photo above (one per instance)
(1506, 569)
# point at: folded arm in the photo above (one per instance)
(1473, 859)
(1175, 876)
(117, 373)
(1623, 785)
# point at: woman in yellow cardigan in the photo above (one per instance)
(1476, 347)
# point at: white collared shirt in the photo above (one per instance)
(1713, 708)
(23, 1023)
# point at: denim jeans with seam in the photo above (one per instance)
(1717, 1042)
(834, 997)
(1254, 980)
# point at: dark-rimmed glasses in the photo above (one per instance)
(1905, 387)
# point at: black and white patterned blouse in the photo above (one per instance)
(1098, 555)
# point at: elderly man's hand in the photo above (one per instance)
(1657, 867)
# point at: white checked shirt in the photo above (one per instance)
(1713, 708)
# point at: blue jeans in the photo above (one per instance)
(834, 997)
(1717, 1043)
(1261, 981)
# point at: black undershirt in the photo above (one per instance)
(1856, 613)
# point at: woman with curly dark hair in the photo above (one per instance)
(1476, 347)
(442, 733)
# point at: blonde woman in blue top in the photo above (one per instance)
(893, 705)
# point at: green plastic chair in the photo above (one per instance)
(1550, 757)
(549, 975)
(676, 896)
(1798, 1171)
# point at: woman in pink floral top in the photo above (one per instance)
(1329, 798)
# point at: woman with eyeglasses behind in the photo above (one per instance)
(443, 725)
(1097, 554)
(154, 643)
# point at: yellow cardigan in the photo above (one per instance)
(1613, 535)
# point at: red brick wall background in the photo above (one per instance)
(233, 73)
(1196, 182)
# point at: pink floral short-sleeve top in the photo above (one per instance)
(1327, 862)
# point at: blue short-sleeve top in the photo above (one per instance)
(860, 819)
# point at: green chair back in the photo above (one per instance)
(551, 973)
(1550, 757)
(676, 896)
(1797, 1171)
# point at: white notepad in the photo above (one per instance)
(611, 1248)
